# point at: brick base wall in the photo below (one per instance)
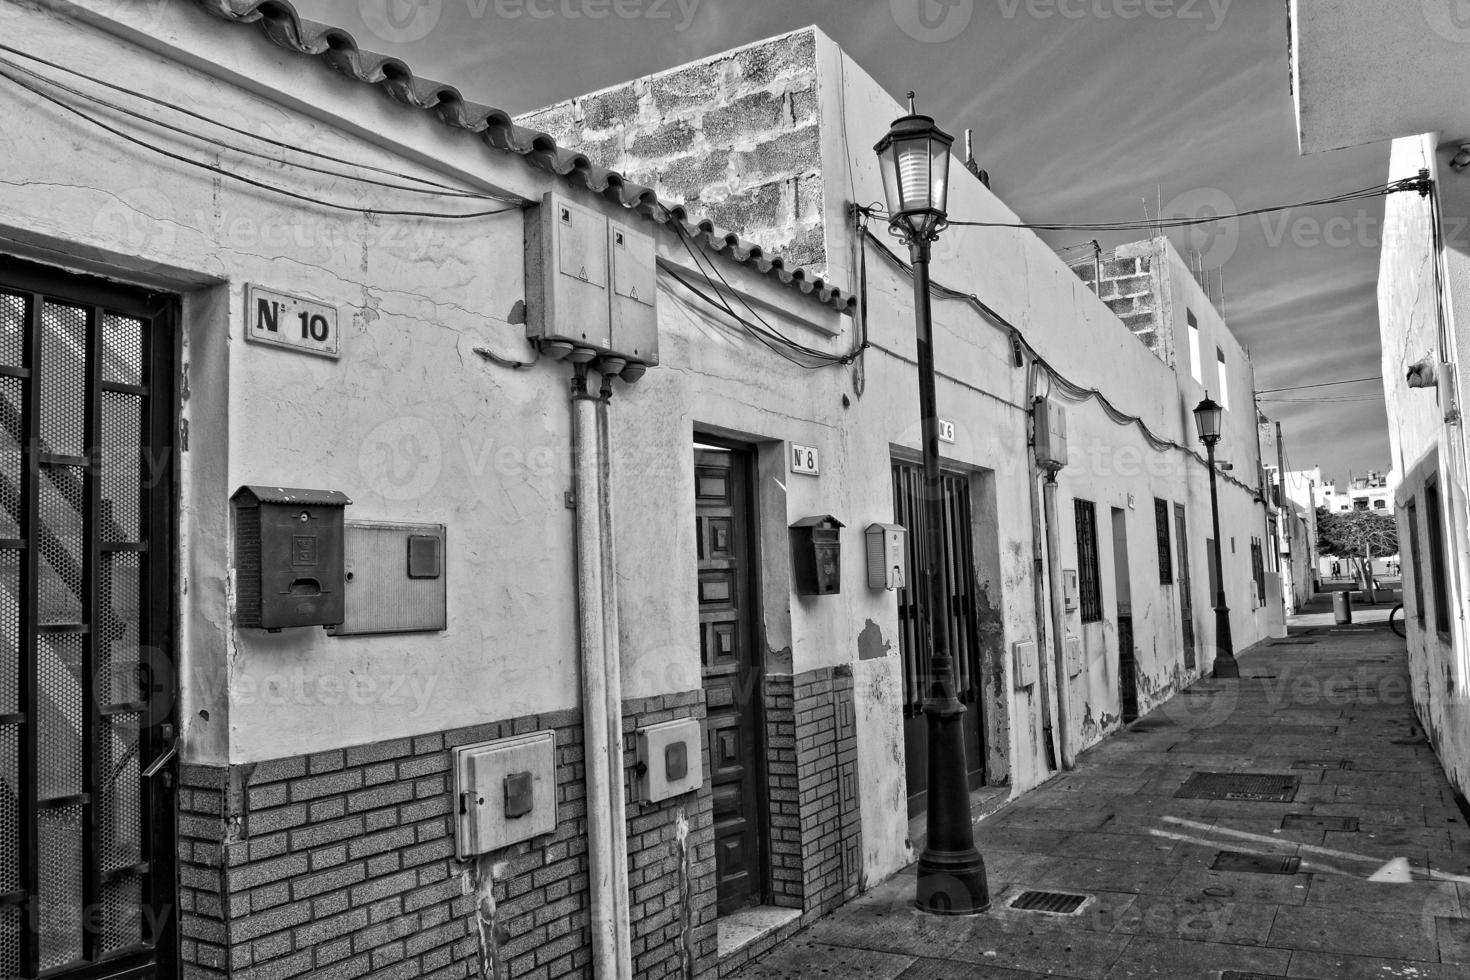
(826, 749)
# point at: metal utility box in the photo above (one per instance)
(566, 274)
(816, 555)
(1071, 595)
(669, 760)
(504, 792)
(1076, 655)
(634, 294)
(396, 581)
(1024, 667)
(288, 557)
(887, 556)
(1050, 424)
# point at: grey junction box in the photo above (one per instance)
(395, 578)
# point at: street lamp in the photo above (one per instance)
(1207, 418)
(914, 157)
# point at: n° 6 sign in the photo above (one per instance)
(290, 321)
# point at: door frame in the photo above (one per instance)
(158, 607)
(749, 452)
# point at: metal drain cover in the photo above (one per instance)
(1305, 821)
(1237, 975)
(1052, 903)
(1261, 864)
(1322, 764)
(1249, 787)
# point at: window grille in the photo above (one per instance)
(1089, 583)
(1161, 529)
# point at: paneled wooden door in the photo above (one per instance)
(732, 673)
(86, 680)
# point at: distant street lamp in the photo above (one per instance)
(914, 158)
(1207, 418)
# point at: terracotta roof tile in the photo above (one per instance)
(279, 21)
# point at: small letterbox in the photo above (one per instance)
(288, 557)
(816, 555)
(887, 556)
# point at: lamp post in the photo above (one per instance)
(1207, 418)
(914, 158)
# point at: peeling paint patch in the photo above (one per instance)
(871, 644)
(492, 932)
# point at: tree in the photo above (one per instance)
(1358, 535)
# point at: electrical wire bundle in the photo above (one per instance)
(47, 88)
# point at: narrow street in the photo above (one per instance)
(1329, 707)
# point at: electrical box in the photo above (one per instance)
(634, 294)
(566, 274)
(887, 556)
(395, 578)
(1024, 666)
(1070, 592)
(1050, 434)
(288, 557)
(669, 759)
(504, 792)
(816, 555)
(1075, 655)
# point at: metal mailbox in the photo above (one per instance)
(816, 555)
(289, 557)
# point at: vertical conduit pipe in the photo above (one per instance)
(591, 636)
(1043, 685)
(617, 812)
(1059, 646)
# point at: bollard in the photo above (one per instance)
(1342, 607)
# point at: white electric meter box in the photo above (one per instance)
(1070, 592)
(669, 759)
(887, 556)
(1076, 655)
(634, 294)
(566, 274)
(1025, 667)
(504, 793)
(396, 580)
(1051, 434)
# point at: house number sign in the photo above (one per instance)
(805, 460)
(288, 321)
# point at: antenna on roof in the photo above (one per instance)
(970, 164)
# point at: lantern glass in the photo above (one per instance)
(1207, 418)
(914, 160)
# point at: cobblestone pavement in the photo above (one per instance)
(1382, 889)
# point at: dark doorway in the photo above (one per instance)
(1186, 593)
(1127, 658)
(87, 685)
(732, 672)
(959, 561)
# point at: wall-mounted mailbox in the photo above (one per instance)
(669, 760)
(396, 578)
(1025, 667)
(504, 792)
(288, 557)
(887, 556)
(816, 555)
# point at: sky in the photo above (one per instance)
(1083, 111)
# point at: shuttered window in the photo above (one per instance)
(1161, 530)
(1089, 583)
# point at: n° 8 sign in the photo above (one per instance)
(282, 320)
(805, 460)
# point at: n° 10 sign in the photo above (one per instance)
(290, 321)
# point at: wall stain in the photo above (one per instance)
(871, 644)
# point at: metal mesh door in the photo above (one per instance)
(84, 858)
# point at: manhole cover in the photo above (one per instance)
(1052, 903)
(1322, 764)
(1305, 821)
(1239, 786)
(1261, 864)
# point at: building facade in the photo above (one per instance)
(1423, 287)
(597, 697)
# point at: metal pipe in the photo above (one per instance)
(1038, 591)
(617, 812)
(1059, 647)
(591, 636)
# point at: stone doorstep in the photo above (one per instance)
(738, 930)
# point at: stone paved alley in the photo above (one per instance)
(1329, 706)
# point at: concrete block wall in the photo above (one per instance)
(1132, 288)
(735, 138)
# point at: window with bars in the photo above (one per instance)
(1258, 570)
(1089, 582)
(1434, 525)
(1161, 531)
(1418, 584)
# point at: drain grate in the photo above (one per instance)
(1261, 864)
(1305, 821)
(1248, 787)
(1322, 764)
(1052, 903)
(1237, 975)
(1151, 725)
(1290, 643)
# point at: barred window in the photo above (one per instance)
(1414, 563)
(1434, 527)
(1161, 528)
(1258, 570)
(1089, 583)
